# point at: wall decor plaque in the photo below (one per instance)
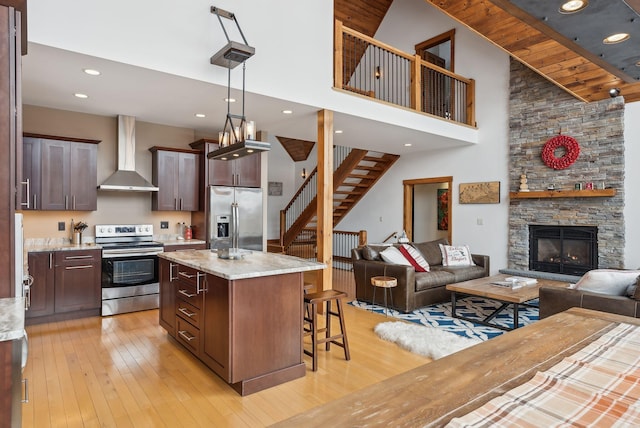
(486, 192)
(275, 188)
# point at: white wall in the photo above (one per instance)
(486, 161)
(632, 185)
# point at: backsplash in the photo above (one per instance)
(539, 111)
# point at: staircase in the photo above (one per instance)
(356, 171)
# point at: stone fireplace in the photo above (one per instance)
(538, 111)
(571, 250)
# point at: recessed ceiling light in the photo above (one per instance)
(407, 144)
(616, 38)
(638, 64)
(287, 111)
(91, 72)
(79, 95)
(200, 115)
(338, 131)
(573, 6)
(229, 100)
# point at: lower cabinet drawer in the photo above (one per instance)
(188, 293)
(188, 335)
(188, 312)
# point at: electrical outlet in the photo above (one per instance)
(61, 225)
(164, 225)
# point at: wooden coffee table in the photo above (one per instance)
(482, 287)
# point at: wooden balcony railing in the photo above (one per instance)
(365, 66)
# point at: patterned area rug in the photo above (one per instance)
(439, 315)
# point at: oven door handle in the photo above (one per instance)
(107, 254)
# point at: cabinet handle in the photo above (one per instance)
(186, 312)
(171, 277)
(181, 204)
(175, 203)
(27, 183)
(185, 336)
(197, 276)
(50, 260)
(186, 275)
(35, 201)
(27, 292)
(185, 293)
(78, 257)
(78, 267)
(66, 202)
(26, 390)
(73, 202)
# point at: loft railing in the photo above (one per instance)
(371, 68)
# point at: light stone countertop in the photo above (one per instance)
(175, 241)
(38, 247)
(11, 318)
(253, 264)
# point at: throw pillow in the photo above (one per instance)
(456, 256)
(608, 281)
(371, 253)
(393, 255)
(414, 257)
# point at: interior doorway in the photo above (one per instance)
(436, 87)
(427, 208)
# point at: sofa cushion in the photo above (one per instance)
(414, 257)
(393, 255)
(465, 273)
(433, 279)
(372, 252)
(456, 256)
(431, 250)
(633, 291)
(608, 281)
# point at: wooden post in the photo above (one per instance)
(471, 109)
(337, 55)
(362, 238)
(416, 83)
(324, 226)
(283, 226)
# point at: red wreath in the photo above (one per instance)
(571, 148)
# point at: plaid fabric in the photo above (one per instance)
(599, 386)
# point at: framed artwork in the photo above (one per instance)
(443, 209)
(275, 188)
(486, 192)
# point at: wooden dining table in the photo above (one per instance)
(434, 393)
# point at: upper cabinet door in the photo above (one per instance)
(62, 174)
(176, 173)
(55, 167)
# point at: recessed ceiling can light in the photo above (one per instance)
(200, 115)
(79, 95)
(573, 6)
(638, 64)
(229, 100)
(616, 38)
(287, 111)
(338, 131)
(91, 72)
(407, 144)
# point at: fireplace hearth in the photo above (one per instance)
(571, 250)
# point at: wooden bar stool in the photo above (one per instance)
(311, 323)
(386, 283)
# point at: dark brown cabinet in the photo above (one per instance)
(167, 310)
(215, 346)
(61, 173)
(41, 291)
(175, 172)
(242, 172)
(77, 280)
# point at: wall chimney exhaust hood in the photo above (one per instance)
(126, 179)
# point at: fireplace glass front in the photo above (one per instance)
(571, 250)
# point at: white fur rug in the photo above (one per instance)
(427, 341)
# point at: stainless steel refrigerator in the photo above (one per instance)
(235, 210)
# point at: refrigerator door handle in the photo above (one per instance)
(234, 225)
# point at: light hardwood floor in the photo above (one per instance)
(124, 371)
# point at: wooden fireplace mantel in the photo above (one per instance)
(541, 194)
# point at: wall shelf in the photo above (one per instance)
(541, 194)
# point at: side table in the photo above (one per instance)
(386, 283)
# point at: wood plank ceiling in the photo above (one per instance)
(580, 72)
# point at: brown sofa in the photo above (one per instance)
(554, 300)
(414, 289)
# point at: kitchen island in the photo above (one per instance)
(242, 318)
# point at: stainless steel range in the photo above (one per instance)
(129, 268)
